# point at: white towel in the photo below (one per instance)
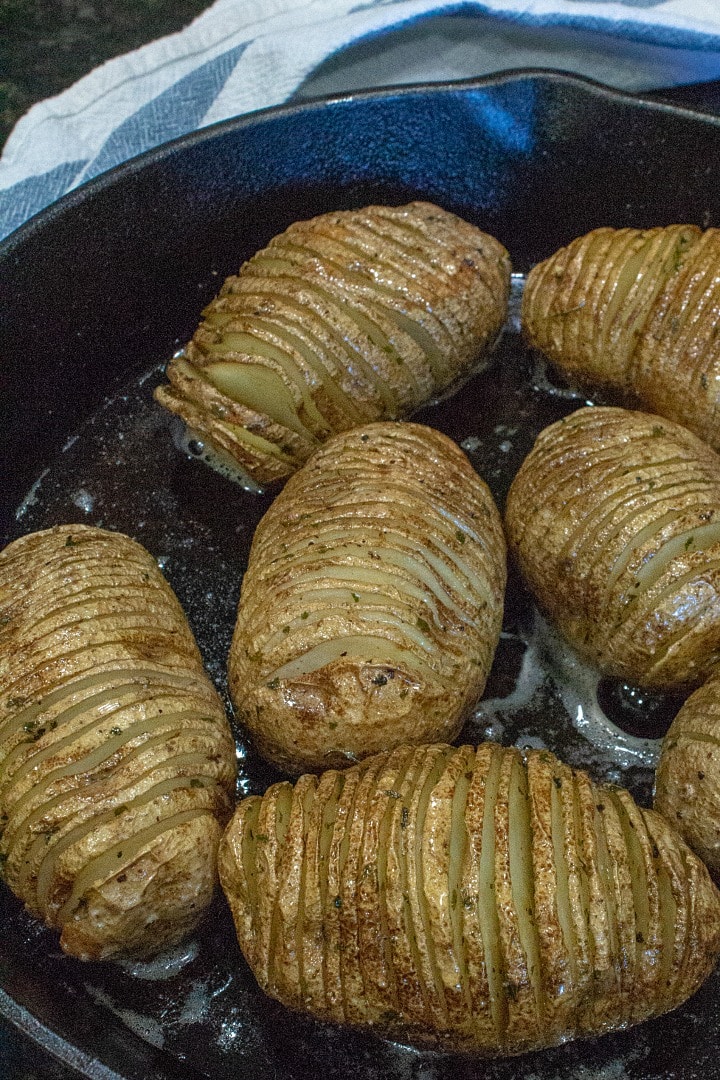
(242, 55)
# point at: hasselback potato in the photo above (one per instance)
(350, 317)
(637, 310)
(117, 764)
(614, 520)
(687, 782)
(473, 899)
(372, 602)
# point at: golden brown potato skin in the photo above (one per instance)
(614, 520)
(687, 782)
(350, 317)
(637, 310)
(372, 603)
(473, 899)
(117, 764)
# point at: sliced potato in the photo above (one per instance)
(614, 519)
(372, 603)
(637, 310)
(486, 900)
(350, 317)
(117, 764)
(687, 782)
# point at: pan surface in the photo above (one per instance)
(98, 291)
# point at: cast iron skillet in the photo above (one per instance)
(101, 288)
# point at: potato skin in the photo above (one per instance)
(614, 521)
(350, 317)
(480, 900)
(117, 764)
(372, 602)
(635, 310)
(687, 781)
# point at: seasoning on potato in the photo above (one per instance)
(614, 520)
(372, 603)
(117, 764)
(471, 899)
(636, 310)
(351, 317)
(687, 781)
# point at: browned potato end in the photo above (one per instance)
(687, 782)
(372, 603)
(353, 316)
(467, 899)
(676, 367)
(117, 764)
(614, 519)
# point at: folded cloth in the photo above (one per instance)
(242, 55)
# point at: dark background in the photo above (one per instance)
(45, 45)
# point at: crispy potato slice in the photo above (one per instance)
(443, 848)
(411, 1000)
(419, 880)
(334, 959)
(288, 966)
(372, 602)
(350, 317)
(352, 877)
(322, 813)
(486, 1020)
(516, 933)
(117, 764)
(373, 934)
(614, 519)
(523, 904)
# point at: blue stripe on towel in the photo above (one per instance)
(177, 110)
(27, 197)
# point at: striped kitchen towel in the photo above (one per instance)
(243, 55)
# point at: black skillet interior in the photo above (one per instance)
(100, 289)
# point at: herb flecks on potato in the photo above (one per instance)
(350, 317)
(471, 899)
(687, 782)
(637, 310)
(614, 519)
(372, 603)
(117, 764)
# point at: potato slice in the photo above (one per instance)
(676, 367)
(243, 444)
(372, 602)
(636, 310)
(117, 764)
(410, 999)
(350, 317)
(444, 840)
(341, 817)
(288, 959)
(564, 926)
(614, 519)
(373, 930)
(687, 782)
